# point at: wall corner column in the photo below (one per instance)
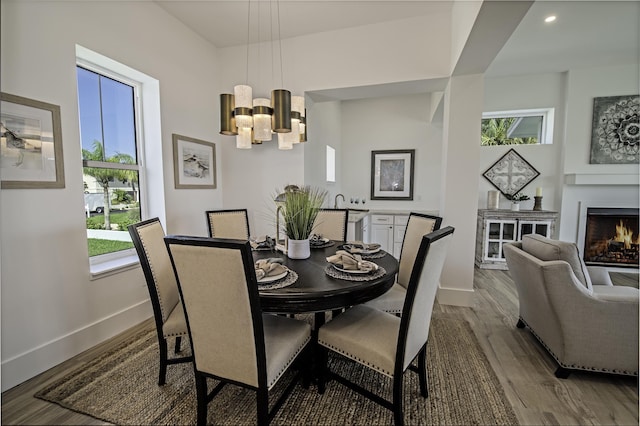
(464, 97)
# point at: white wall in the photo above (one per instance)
(527, 92)
(50, 308)
(397, 122)
(326, 130)
(582, 86)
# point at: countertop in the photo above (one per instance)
(357, 215)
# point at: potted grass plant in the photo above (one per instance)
(300, 207)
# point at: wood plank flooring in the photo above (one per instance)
(523, 366)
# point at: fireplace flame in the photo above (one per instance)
(625, 235)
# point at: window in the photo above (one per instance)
(331, 164)
(112, 172)
(520, 127)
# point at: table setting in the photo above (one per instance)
(366, 250)
(352, 267)
(317, 241)
(272, 274)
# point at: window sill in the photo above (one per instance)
(115, 266)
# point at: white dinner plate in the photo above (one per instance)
(273, 278)
(353, 271)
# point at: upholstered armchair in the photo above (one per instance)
(583, 321)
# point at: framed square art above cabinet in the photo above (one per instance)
(499, 227)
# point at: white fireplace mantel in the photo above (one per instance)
(601, 179)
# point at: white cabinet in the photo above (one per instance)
(381, 231)
(499, 227)
(388, 231)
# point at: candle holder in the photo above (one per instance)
(537, 204)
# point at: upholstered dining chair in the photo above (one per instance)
(228, 223)
(418, 225)
(231, 339)
(384, 342)
(332, 224)
(148, 239)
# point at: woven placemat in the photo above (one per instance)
(334, 273)
(378, 255)
(285, 281)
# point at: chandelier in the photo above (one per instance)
(255, 120)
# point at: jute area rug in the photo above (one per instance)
(120, 387)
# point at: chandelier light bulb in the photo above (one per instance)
(244, 102)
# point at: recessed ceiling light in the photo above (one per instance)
(550, 18)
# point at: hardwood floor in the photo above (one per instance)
(523, 366)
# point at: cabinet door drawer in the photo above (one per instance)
(401, 220)
(381, 219)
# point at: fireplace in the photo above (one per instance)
(612, 237)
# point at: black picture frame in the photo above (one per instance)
(392, 174)
(511, 173)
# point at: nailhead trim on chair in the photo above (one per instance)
(223, 213)
(287, 364)
(355, 358)
(153, 272)
(573, 366)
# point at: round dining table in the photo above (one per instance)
(316, 291)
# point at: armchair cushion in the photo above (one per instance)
(546, 249)
(616, 293)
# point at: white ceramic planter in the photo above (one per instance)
(298, 249)
(515, 207)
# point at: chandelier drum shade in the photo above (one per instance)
(255, 120)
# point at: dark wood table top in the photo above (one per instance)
(315, 291)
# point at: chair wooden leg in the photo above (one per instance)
(262, 397)
(562, 373)
(422, 371)
(398, 417)
(177, 349)
(163, 362)
(201, 395)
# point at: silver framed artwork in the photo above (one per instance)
(511, 173)
(194, 163)
(615, 132)
(392, 174)
(31, 144)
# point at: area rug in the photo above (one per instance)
(120, 387)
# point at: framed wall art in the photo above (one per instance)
(615, 132)
(30, 144)
(392, 174)
(194, 163)
(511, 173)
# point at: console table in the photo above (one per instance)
(498, 227)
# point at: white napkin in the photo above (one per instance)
(351, 262)
(269, 268)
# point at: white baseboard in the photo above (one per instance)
(35, 361)
(455, 296)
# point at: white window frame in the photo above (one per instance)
(146, 91)
(546, 133)
(331, 164)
